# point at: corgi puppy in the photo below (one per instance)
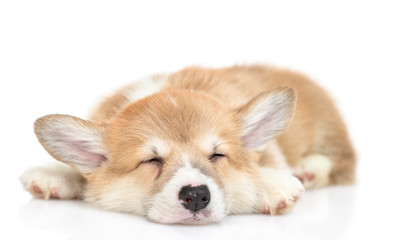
(194, 146)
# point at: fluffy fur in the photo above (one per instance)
(244, 132)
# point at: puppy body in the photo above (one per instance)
(235, 132)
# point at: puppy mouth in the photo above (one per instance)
(200, 217)
(191, 219)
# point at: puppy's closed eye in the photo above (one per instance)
(152, 166)
(215, 156)
(155, 160)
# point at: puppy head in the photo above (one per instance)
(176, 156)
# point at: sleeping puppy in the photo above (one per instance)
(194, 146)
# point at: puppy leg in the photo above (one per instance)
(336, 146)
(279, 190)
(55, 180)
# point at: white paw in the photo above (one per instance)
(53, 181)
(280, 191)
(313, 171)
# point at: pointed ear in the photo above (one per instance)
(266, 116)
(72, 140)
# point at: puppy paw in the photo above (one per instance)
(281, 205)
(280, 192)
(53, 182)
(306, 178)
(314, 171)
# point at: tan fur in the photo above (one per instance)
(198, 112)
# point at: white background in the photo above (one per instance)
(62, 56)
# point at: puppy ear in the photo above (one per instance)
(266, 116)
(72, 140)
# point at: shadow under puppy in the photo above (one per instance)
(193, 146)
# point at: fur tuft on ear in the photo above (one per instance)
(266, 116)
(72, 140)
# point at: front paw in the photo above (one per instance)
(280, 191)
(53, 182)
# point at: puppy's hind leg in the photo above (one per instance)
(337, 147)
(332, 162)
(55, 180)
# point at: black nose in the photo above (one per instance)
(194, 198)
